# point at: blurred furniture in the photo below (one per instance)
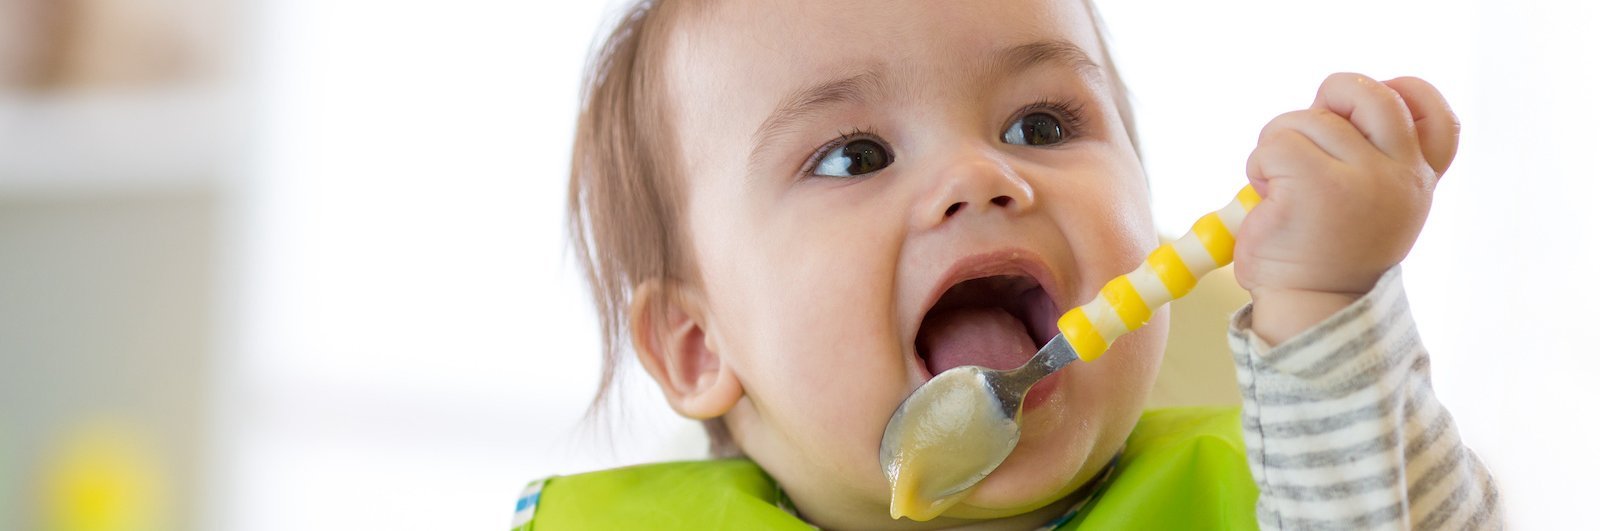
(1198, 367)
(113, 131)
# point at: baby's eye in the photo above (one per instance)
(1037, 129)
(856, 157)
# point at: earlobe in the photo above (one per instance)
(669, 330)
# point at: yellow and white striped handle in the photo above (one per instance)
(1125, 303)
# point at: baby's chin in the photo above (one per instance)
(1017, 492)
(1058, 454)
(1072, 434)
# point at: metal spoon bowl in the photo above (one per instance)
(1005, 389)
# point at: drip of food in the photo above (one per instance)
(959, 426)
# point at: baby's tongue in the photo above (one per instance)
(983, 336)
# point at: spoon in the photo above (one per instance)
(960, 425)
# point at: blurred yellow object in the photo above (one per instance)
(103, 477)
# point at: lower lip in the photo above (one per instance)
(1041, 392)
(1038, 394)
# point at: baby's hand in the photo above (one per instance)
(1345, 186)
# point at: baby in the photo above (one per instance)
(797, 212)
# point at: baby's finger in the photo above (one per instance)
(1285, 153)
(1438, 129)
(1375, 109)
(1329, 131)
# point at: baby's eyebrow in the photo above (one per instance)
(851, 88)
(859, 87)
(1025, 56)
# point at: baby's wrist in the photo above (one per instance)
(1282, 313)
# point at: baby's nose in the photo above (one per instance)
(1000, 201)
(973, 184)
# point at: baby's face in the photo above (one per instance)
(877, 191)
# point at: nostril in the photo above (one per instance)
(953, 208)
(1001, 201)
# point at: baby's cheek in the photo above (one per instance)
(807, 289)
(842, 378)
(824, 361)
(823, 420)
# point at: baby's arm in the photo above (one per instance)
(1342, 425)
(1343, 428)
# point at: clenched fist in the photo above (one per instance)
(1345, 187)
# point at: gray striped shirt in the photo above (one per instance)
(1343, 430)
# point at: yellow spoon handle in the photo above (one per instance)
(1125, 303)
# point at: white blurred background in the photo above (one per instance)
(300, 264)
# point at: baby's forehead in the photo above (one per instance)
(731, 65)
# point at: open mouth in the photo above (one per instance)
(996, 321)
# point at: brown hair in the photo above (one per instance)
(624, 198)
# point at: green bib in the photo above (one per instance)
(1183, 468)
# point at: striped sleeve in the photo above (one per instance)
(1343, 429)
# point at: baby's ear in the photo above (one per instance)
(669, 325)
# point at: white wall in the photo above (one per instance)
(411, 341)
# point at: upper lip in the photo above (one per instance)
(1006, 261)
